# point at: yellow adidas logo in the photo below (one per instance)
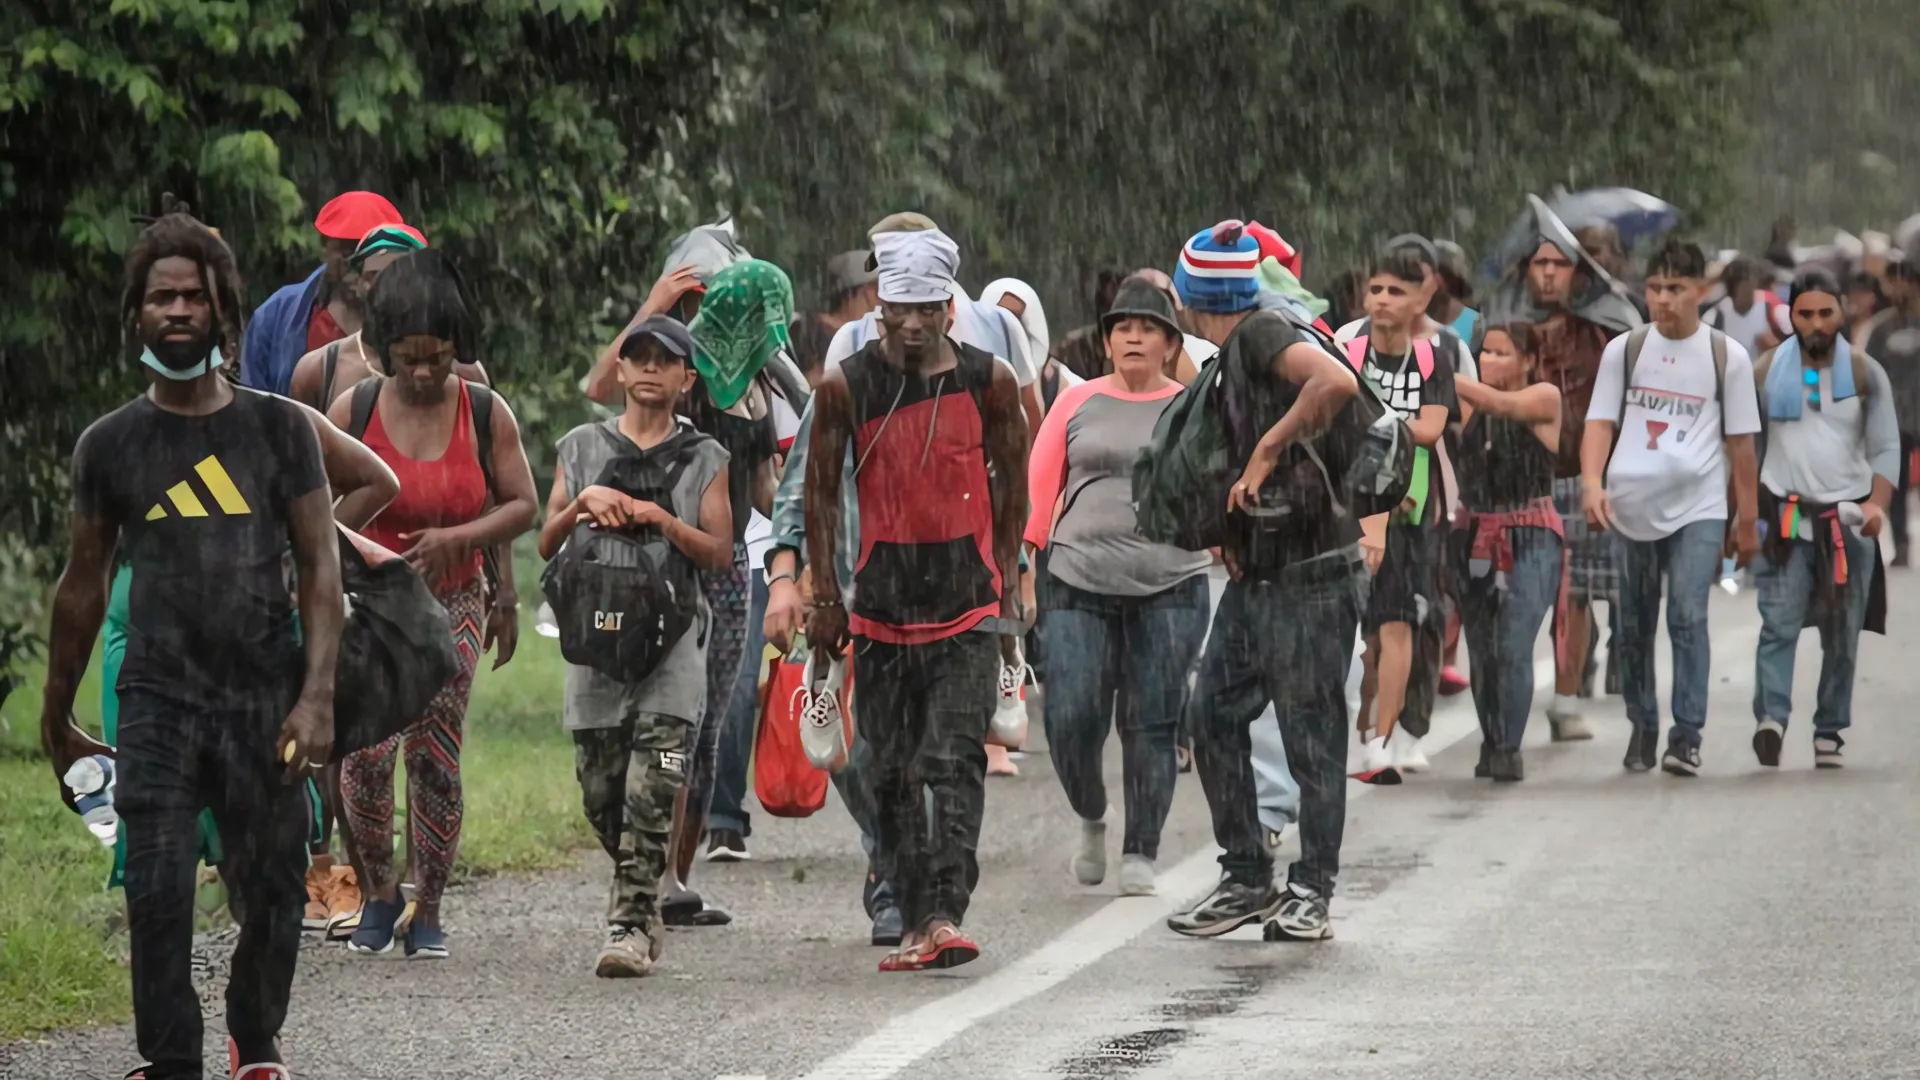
(187, 504)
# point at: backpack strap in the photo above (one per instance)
(330, 367)
(480, 400)
(366, 394)
(1423, 355)
(1636, 341)
(1719, 346)
(1862, 379)
(1357, 352)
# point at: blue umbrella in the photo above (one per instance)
(1635, 215)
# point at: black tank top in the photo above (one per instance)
(1502, 465)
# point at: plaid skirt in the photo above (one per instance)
(1593, 556)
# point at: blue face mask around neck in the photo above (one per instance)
(214, 359)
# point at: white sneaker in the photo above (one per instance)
(1009, 727)
(1357, 751)
(823, 733)
(1403, 750)
(1136, 875)
(1563, 717)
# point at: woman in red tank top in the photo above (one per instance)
(418, 326)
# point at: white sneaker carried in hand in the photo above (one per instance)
(823, 731)
(1009, 727)
(1404, 753)
(1357, 751)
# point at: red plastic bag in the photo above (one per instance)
(784, 781)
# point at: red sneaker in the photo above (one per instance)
(1451, 681)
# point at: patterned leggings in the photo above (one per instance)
(433, 769)
(727, 597)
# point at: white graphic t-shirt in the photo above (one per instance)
(1669, 468)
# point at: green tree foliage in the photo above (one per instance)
(554, 144)
(544, 141)
(1055, 136)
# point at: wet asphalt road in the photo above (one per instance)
(1584, 923)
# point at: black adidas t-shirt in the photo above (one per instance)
(201, 503)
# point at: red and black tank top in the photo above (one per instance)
(926, 569)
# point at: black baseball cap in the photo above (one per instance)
(668, 331)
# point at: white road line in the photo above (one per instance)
(911, 1036)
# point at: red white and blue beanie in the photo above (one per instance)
(1217, 270)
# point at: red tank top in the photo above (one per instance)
(447, 491)
(926, 569)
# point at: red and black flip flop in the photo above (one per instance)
(1385, 777)
(950, 949)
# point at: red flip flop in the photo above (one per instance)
(902, 960)
(950, 948)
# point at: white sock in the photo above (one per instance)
(1566, 705)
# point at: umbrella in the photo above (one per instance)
(1635, 215)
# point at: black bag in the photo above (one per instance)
(1361, 464)
(396, 650)
(623, 598)
(1180, 477)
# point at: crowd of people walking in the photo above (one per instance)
(1242, 525)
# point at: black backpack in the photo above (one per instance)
(395, 651)
(1180, 478)
(623, 598)
(1362, 464)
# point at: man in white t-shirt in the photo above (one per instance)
(1680, 397)
(1744, 314)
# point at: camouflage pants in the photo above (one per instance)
(629, 777)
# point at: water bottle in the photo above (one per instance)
(91, 781)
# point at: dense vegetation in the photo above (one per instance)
(555, 144)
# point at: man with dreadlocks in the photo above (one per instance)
(221, 705)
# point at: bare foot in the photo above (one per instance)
(998, 763)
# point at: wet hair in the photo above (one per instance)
(1405, 262)
(1814, 280)
(177, 234)
(1526, 342)
(1678, 258)
(421, 293)
(1741, 271)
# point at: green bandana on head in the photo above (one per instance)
(742, 322)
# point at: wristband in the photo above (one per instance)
(769, 577)
(834, 603)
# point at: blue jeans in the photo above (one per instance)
(1501, 627)
(1688, 561)
(1788, 601)
(1121, 660)
(1288, 643)
(727, 810)
(1274, 790)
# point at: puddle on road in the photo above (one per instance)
(1125, 1054)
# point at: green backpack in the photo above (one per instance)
(1180, 478)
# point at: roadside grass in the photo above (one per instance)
(63, 944)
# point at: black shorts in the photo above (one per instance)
(1405, 588)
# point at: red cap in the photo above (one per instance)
(352, 215)
(1272, 246)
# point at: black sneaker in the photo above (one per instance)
(1484, 769)
(1506, 766)
(726, 845)
(1642, 745)
(1682, 759)
(1228, 908)
(1302, 917)
(1766, 742)
(1826, 751)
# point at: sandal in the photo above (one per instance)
(903, 959)
(947, 947)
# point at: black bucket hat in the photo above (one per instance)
(1139, 298)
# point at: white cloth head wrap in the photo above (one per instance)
(916, 267)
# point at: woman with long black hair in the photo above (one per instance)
(1512, 576)
(427, 424)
